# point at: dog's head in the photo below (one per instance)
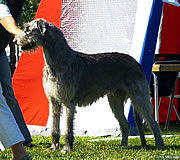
(33, 34)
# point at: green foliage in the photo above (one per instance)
(29, 11)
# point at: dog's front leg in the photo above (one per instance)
(69, 138)
(55, 129)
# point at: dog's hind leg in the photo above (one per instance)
(55, 129)
(69, 138)
(116, 103)
(154, 127)
(143, 106)
(139, 124)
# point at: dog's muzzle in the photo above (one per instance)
(28, 46)
(20, 39)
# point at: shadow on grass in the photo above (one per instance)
(151, 147)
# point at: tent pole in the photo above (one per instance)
(148, 50)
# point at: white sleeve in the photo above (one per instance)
(4, 11)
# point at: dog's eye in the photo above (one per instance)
(27, 29)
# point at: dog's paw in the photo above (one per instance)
(124, 142)
(123, 145)
(159, 143)
(54, 146)
(66, 149)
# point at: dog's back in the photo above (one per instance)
(106, 73)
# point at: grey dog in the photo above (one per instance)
(71, 78)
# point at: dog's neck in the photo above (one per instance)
(54, 41)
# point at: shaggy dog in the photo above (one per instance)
(75, 79)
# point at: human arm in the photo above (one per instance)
(7, 21)
(10, 25)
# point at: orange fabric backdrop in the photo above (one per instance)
(27, 79)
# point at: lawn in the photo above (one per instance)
(106, 150)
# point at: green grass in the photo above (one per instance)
(105, 150)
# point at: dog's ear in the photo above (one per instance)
(41, 24)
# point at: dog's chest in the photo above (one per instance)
(50, 85)
(57, 87)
